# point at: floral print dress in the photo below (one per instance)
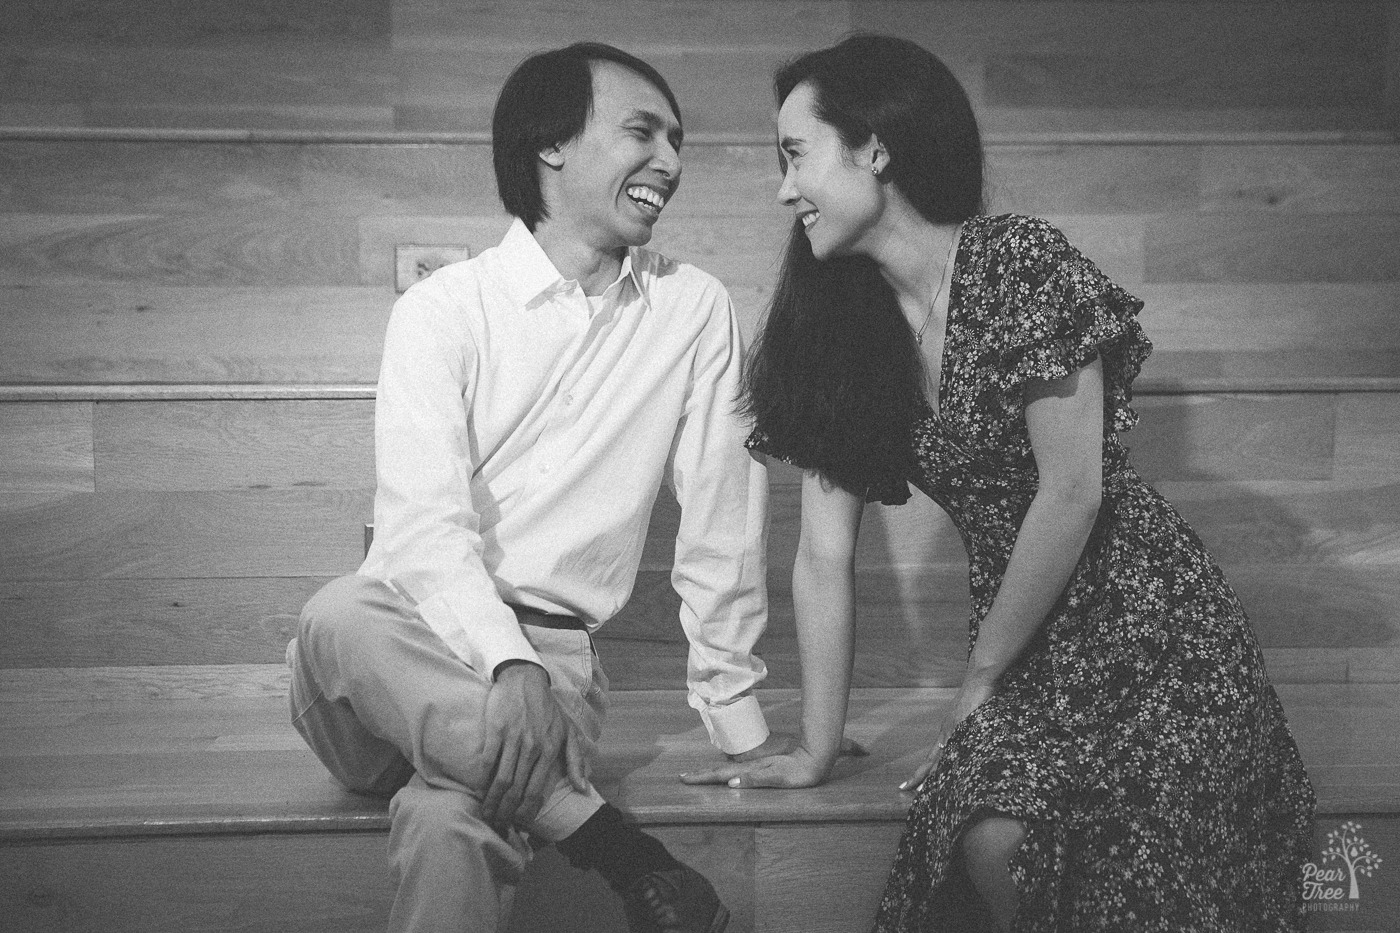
(1137, 737)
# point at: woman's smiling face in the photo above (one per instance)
(832, 189)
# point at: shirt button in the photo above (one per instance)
(544, 468)
(569, 399)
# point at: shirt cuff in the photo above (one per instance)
(491, 636)
(736, 727)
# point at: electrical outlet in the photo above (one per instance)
(412, 263)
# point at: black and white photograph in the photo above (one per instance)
(700, 466)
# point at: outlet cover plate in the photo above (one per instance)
(412, 263)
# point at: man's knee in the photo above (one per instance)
(444, 827)
(343, 607)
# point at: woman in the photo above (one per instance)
(1115, 758)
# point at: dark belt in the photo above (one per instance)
(528, 616)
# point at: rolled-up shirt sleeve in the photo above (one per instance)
(719, 570)
(427, 541)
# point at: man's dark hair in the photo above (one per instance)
(546, 102)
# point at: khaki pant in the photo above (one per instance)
(392, 712)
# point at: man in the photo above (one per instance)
(531, 401)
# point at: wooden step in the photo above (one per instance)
(1213, 337)
(141, 801)
(149, 528)
(437, 66)
(222, 258)
(257, 296)
(294, 245)
(115, 172)
(1317, 624)
(139, 752)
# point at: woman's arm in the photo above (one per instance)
(823, 596)
(1065, 420)
(823, 593)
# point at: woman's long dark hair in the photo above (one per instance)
(835, 378)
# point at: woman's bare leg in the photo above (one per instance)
(988, 846)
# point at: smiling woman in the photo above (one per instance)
(834, 322)
(1115, 758)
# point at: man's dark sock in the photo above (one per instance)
(621, 853)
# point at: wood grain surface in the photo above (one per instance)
(218, 262)
(1316, 623)
(90, 176)
(190, 446)
(200, 884)
(188, 531)
(191, 532)
(154, 553)
(136, 535)
(1238, 248)
(134, 333)
(248, 245)
(425, 64)
(47, 451)
(191, 868)
(129, 333)
(1301, 179)
(206, 812)
(798, 892)
(198, 620)
(154, 762)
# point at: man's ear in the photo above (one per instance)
(553, 156)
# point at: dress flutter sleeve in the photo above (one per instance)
(1062, 313)
(889, 488)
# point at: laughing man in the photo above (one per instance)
(531, 402)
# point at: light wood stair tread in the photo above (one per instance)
(97, 768)
(1161, 384)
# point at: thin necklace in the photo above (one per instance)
(942, 279)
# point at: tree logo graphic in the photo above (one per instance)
(1346, 844)
(1332, 884)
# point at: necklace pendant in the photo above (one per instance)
(919, 339)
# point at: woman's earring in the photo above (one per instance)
(875, 170)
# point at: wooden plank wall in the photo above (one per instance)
(435, 64)
(196, 262)
(209, 194)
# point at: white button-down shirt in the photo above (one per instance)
(522, 432)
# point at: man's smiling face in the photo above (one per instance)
(615, 177)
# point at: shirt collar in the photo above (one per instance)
(530, 274)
